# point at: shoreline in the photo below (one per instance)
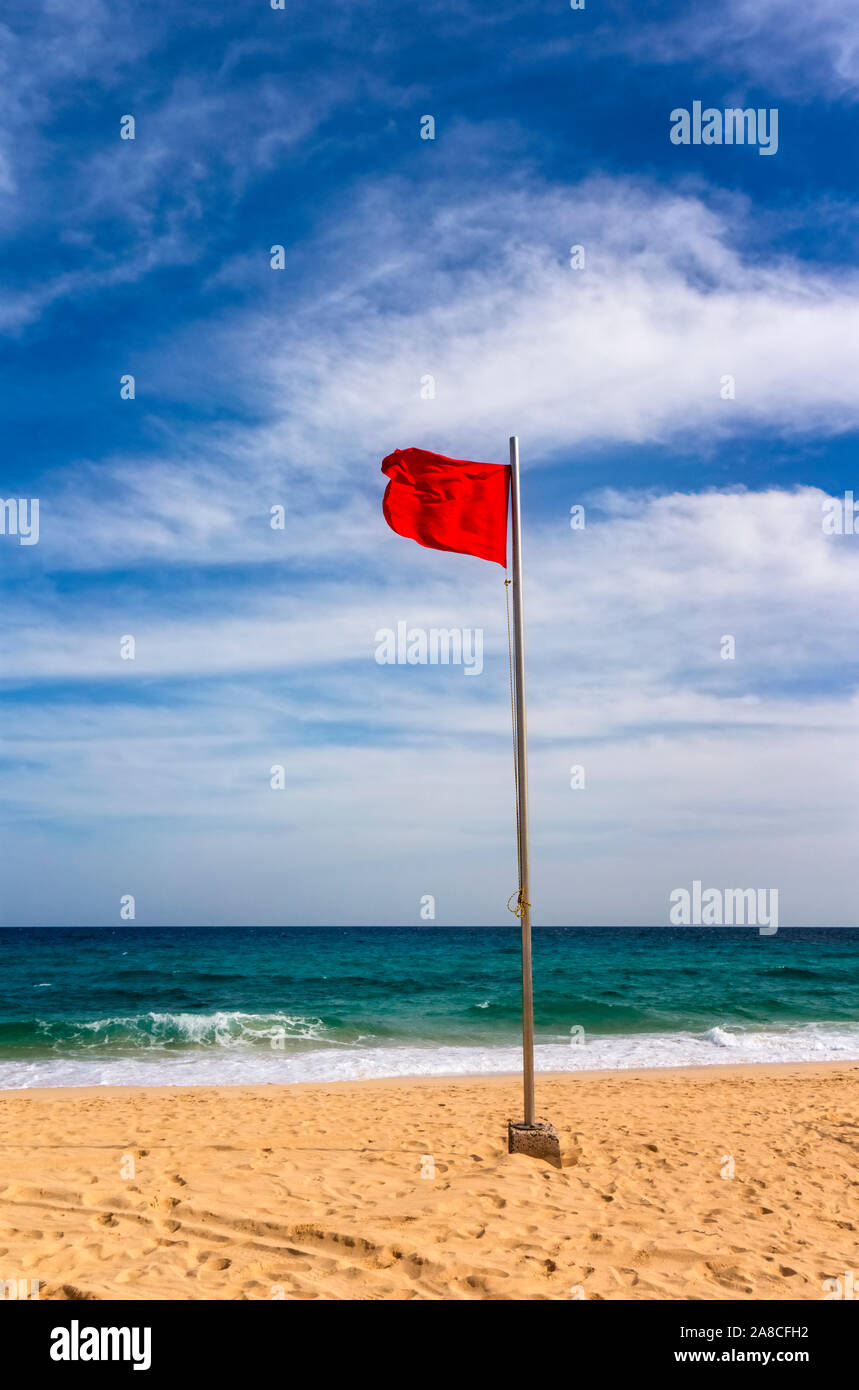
(441, 1079)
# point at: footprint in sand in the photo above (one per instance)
(164, 1203)
(67, 1291)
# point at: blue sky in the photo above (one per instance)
(254, 387)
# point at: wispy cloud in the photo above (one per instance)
(636, 347)
(626, 678)
(797, 49)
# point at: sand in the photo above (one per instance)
(404, 1189)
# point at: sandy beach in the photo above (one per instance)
(404, 1189)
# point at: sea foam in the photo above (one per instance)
(231, 1061)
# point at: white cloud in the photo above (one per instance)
(741, 773)
(632, 349)
(800, 49)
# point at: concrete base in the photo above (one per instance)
(537, 1141)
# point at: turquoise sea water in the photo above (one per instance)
(206, 1005)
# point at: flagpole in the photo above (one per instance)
(524, 903)
(538, 1139)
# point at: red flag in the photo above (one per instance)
(448, 504)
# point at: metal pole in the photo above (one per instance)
(522, 791)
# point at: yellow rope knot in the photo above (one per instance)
(521, 904)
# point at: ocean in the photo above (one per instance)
(220, 1006)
